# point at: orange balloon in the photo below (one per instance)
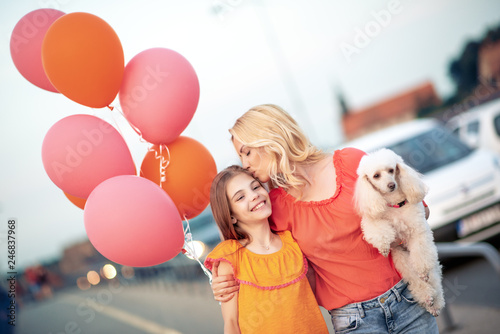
(79, 202)
(83, 58)
(188, 175)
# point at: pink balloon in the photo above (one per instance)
(159, 94)
(132, 221)
(81, 151)
(26, 45)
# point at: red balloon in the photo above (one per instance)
(159, 94)
(83, 58)
(133, 222)
(81, 151)
(188, 176)
(26, 45)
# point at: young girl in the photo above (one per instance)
(274, 295)
(311, 196)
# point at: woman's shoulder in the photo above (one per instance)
(348, 158)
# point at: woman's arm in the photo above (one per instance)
(230, 307)
(224, 286)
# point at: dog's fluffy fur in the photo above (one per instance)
(385, 180)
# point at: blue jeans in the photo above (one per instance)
(395, 311)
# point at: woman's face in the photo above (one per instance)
(255, 160)
(249, 201)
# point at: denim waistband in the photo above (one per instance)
(390, 295)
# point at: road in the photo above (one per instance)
(472, 291)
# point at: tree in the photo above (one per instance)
(464, 70)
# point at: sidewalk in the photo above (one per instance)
(472, 293)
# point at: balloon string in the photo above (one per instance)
(190, 249)
(141, 139)
(163, 162)
(116, 123)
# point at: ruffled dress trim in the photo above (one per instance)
(263, 287)
(263, 271)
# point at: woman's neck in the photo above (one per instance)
(319, 180)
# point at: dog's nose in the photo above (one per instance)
(391, 186)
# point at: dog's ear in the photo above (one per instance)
(411, 183)
(367, 200)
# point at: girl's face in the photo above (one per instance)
(255, 160)
(249, 201)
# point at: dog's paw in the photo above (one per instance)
(435, 312)
(432, 308)
(385, 251)
(424, 277)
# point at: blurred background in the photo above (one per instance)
(343, 69)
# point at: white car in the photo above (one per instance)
(464, 183)
(479, 126)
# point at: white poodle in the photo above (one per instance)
(389, 197)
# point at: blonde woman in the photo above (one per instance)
(311, 196)
(275, 296)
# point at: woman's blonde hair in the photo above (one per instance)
(221, 207)
(271, 128)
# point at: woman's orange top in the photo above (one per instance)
(348, 269)
(274, 295)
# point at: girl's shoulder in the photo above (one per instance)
(224, 251)
(271, 271)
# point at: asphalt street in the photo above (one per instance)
(472, 291)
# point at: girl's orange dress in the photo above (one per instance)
(274, 295)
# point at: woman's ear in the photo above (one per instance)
(233, 220)
(410, 182)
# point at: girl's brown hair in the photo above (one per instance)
(221, 208)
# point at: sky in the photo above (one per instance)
(296, 54)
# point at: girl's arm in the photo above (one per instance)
(229, 308)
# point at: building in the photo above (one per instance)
(395, 109)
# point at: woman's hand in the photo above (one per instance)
(223, 286)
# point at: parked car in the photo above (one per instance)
(479, 126)
(464, 183)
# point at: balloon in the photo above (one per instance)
(26, 45)
(83, 58)
(131, 221)
(189, 174)
(79, 202)
(159, 94)
(81, 151)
